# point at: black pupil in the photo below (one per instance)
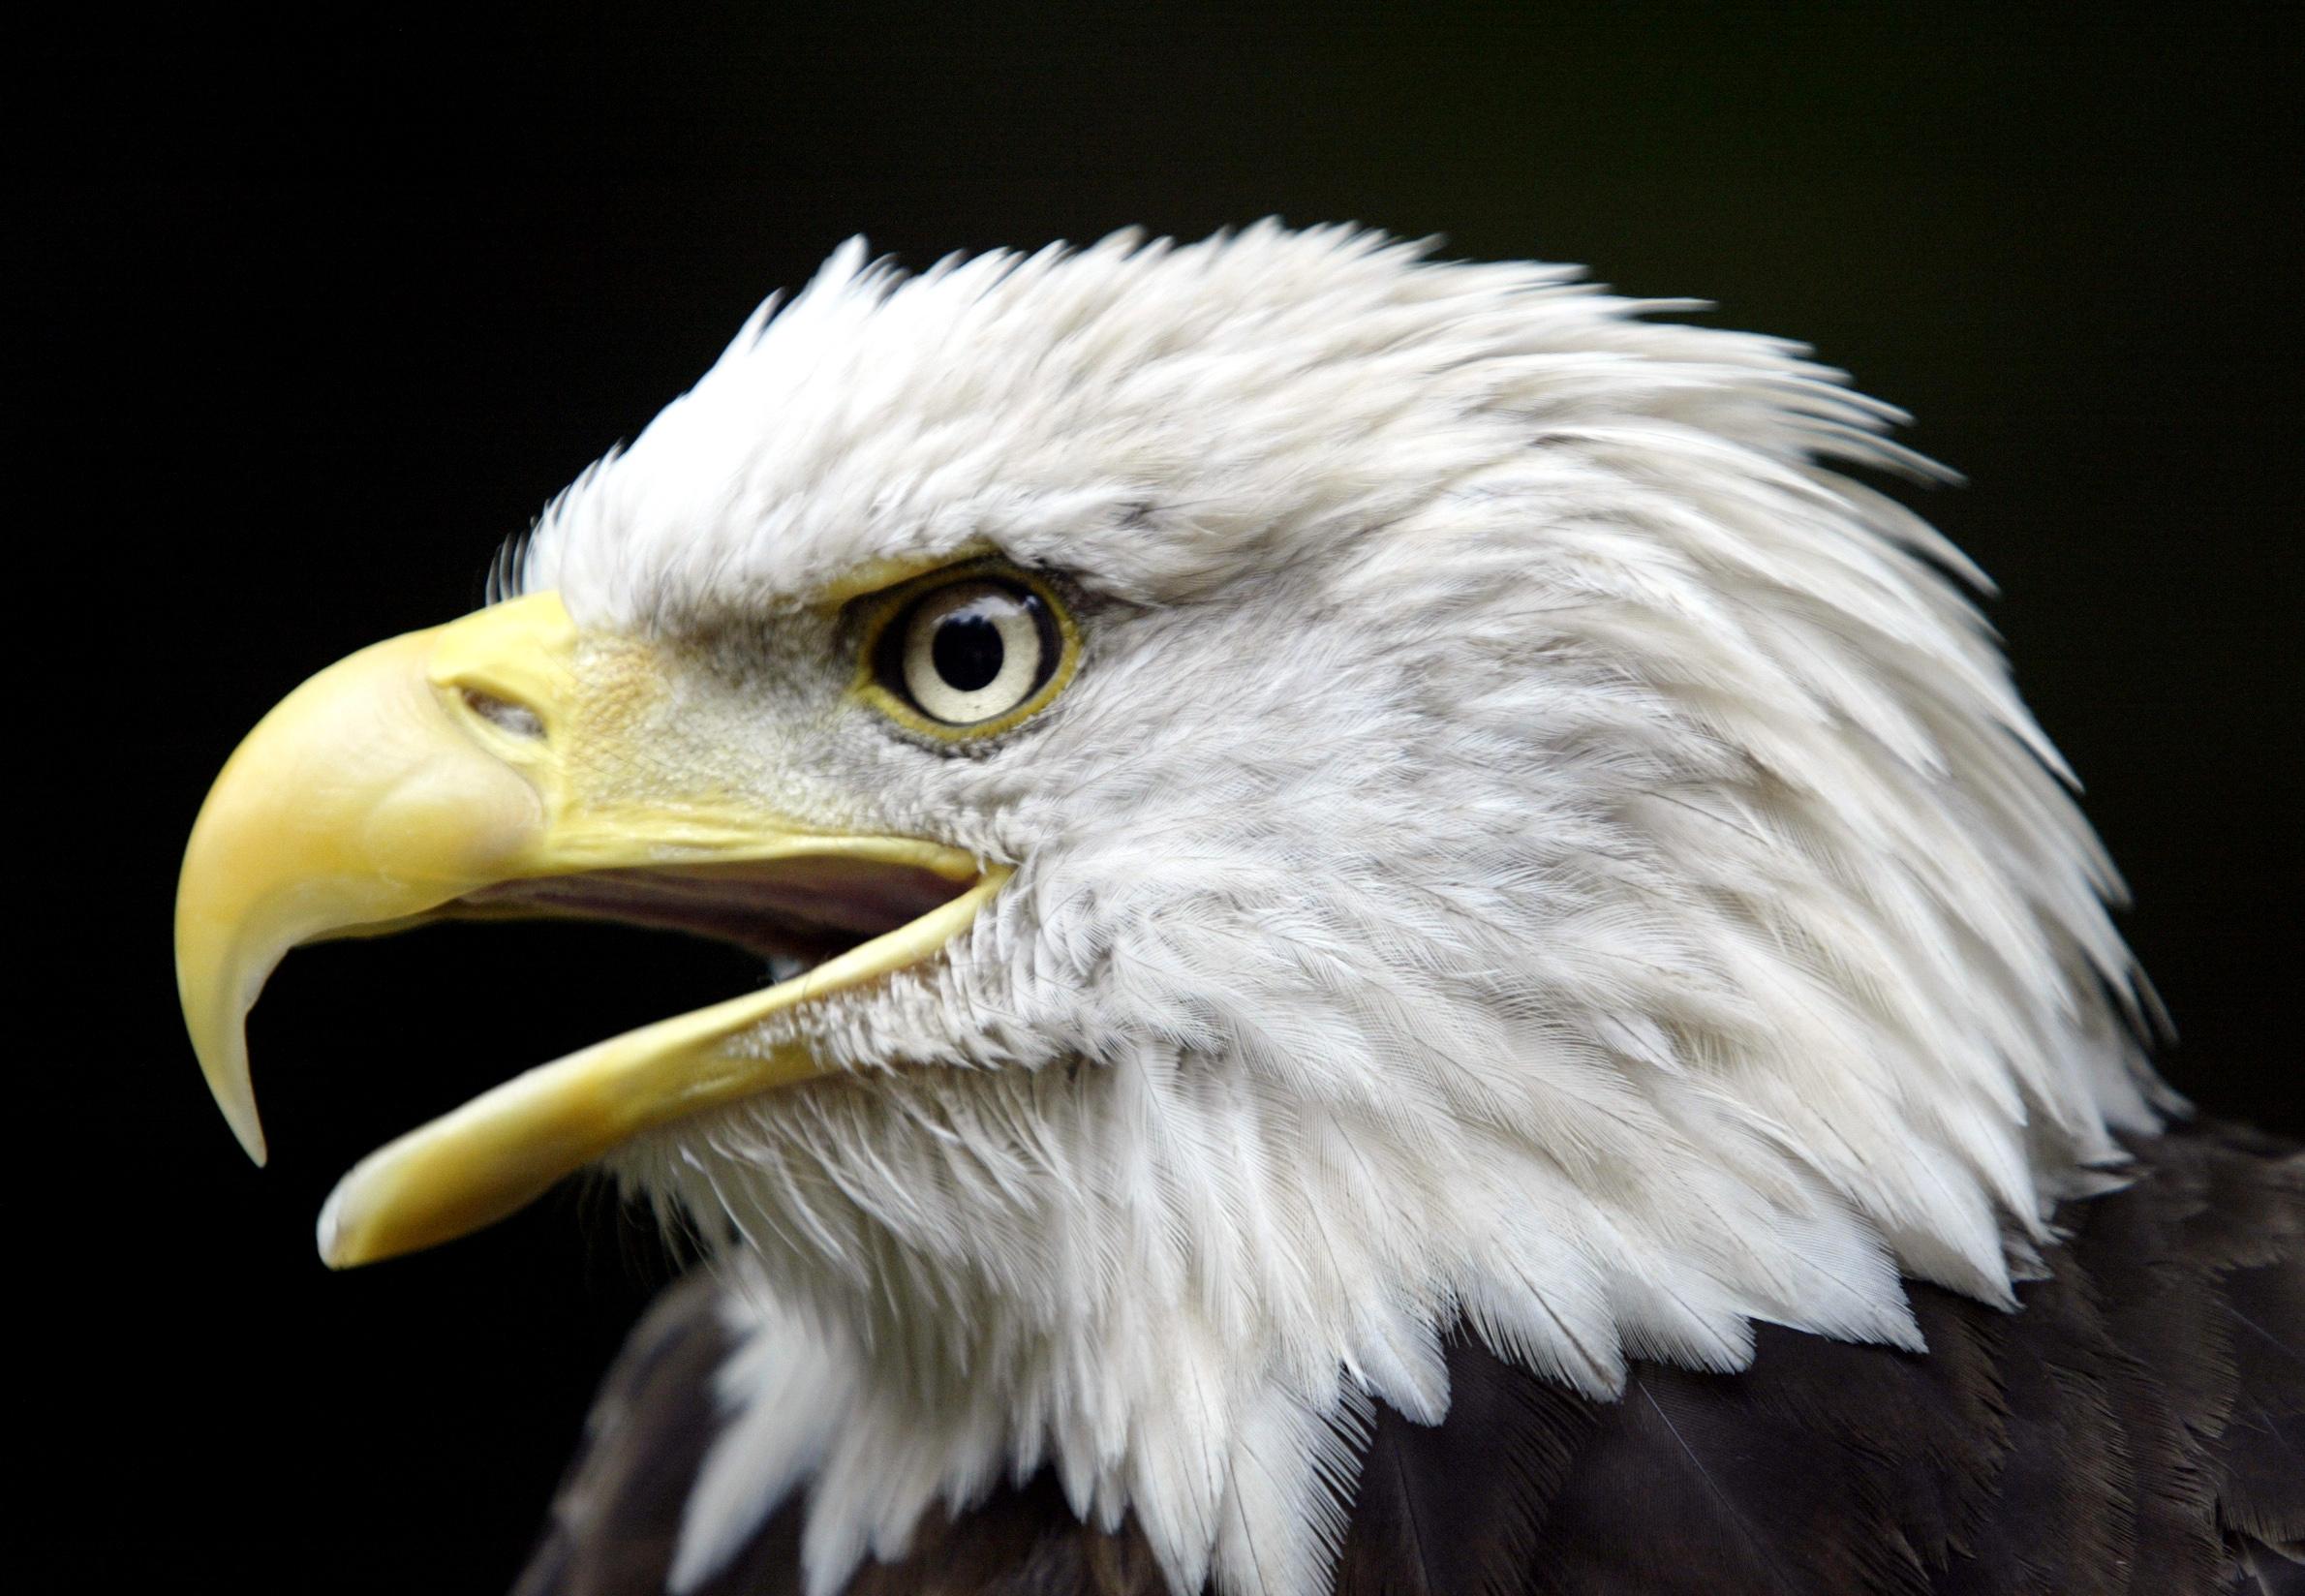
(967, 650)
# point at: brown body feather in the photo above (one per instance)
(2139, 1425)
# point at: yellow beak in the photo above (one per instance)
(501, 764)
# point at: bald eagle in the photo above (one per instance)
(1406, 945)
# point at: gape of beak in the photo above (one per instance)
(461, 772)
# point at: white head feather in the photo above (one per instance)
(1528, 840)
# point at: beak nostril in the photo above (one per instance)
(504, 714)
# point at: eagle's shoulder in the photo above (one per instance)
(2138, 1424)
(615, 1522)
(614, 1525)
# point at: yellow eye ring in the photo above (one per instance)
(967, 651)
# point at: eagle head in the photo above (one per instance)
(1290, 797)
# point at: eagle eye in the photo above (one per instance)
(970, 651)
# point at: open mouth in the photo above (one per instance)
(794, 914)
(823, 915)
(476, 771)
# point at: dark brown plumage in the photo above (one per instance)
(2137, 1426)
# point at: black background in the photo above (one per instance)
(321, 310)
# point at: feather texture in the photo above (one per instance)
(2132, 1427)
